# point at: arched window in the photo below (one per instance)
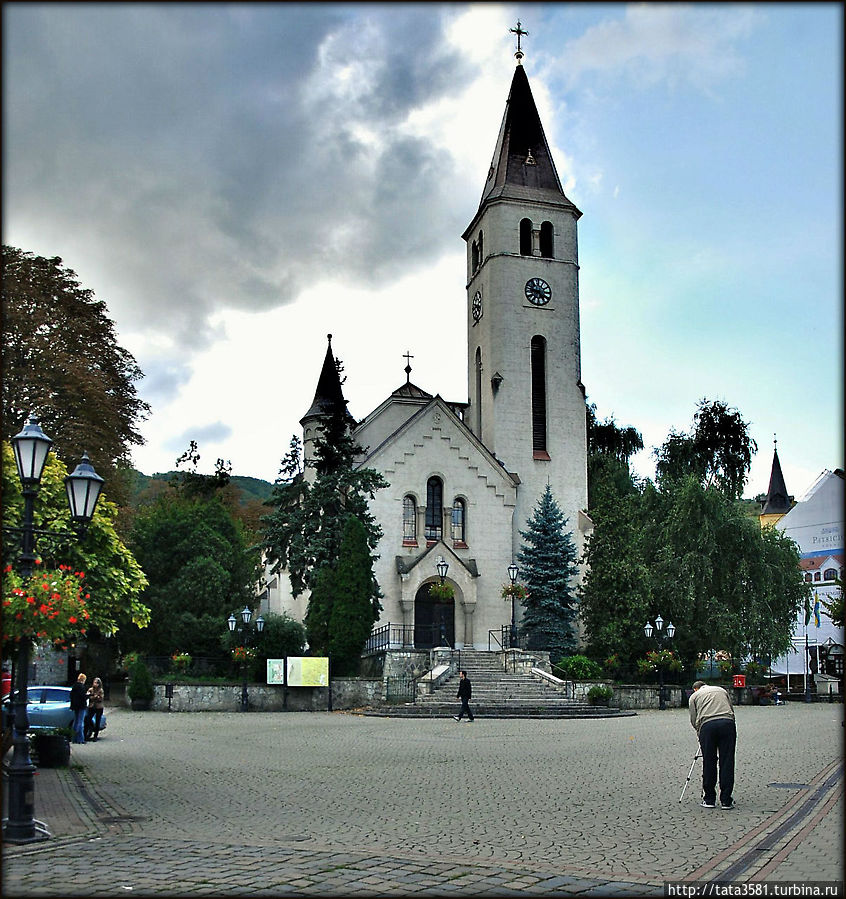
(409, 520)
(807, 578)
(539, 397)
(434, 509)
(478, 392)
(459, 510)
(829, 575)
(526, 237)
(817, 576)
(481, 248)
(547, 240)
(474, 257)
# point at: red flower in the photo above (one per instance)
(72, 619)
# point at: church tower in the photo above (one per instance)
(777, 503)
(527, 401)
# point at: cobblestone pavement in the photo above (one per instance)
(297, 804)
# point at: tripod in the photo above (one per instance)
(690, 773)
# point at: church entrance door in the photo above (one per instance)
(434, 620)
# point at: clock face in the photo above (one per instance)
(538, 291)
(476, 307)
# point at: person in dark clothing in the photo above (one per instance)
(96, 697)
(712, 716)
(78, 703)
(465, 691)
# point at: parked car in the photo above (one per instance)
(46, 707)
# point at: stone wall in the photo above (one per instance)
(347, 693)
(634, 696)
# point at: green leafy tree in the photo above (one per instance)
(610, 449)
(548, 565)
(62, 361)
(717, 453)
(834, 606)
(200, 568)
(113, 581)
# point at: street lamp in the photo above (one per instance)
(659, 636)
(513, 571)
(31, 447)
(247, 633)
(442, 567)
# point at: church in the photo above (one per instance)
(465, 476)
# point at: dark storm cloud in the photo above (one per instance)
(208, 156)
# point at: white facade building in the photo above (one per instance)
(465, 476)
(815, 524)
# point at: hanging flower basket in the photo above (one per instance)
(442, 592)
(517, 591)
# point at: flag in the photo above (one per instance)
(817, 612)
(807, 611)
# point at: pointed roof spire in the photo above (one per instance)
(522, 167)
(329, 395)
(777, 500)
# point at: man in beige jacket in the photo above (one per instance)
(712, 716)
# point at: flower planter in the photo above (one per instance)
(53, 750)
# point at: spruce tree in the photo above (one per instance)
(548, 568)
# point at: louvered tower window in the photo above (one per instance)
(539, 395)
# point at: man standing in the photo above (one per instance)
(465, 691)
(712, 716)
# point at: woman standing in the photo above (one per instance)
(96, 697)
(78, 704)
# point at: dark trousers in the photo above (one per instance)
(718, 738)
(92, 723)
(465, 707)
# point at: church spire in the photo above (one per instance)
(777, 501)
(329, 396)
(522, 164)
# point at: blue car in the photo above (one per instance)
(47, 707)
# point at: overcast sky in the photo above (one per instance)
(236, 181)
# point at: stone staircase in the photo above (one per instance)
(498, 694)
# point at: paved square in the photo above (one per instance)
(341, 804)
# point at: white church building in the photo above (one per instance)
(466, 476)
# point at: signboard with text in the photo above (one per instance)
(302, 671)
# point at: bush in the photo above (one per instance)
(140, 682)
(598, 694)
(579, 668)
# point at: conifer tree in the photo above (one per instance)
(548, 568)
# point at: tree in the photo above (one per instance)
(834, 606)
(62, 361)
(113, 580)
(200, 569)
(303, 534)
(354, 606)
(718, 452)
(691, 554)
(609, 450)
(548, 563)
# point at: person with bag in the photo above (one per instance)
(96, 700)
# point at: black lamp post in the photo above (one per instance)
(248, 633)
(513, 571)
(31, 446)
(442, 567)
(659, 636)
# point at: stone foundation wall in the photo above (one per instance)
(347, 693)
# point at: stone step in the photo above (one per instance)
(500, 710)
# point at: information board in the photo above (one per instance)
(303, 671)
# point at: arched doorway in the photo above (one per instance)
(434, 620)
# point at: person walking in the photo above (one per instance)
(465, 691)
(712, 717)
(96, 701)
(78, 707)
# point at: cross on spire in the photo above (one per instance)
(408, 357)
(519, 32)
